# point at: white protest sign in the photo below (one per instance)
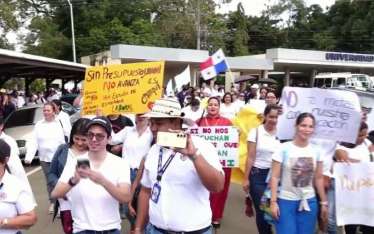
(226, 141)
(337, 112)
(354, 193)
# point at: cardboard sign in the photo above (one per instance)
(354, 192)
(225, 139)
(337, 113)
(122, 88)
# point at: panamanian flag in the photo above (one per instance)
(214, 65)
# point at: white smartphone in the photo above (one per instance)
(172, 139)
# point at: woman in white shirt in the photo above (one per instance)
(298, 167)
(228, 109)
(359, 152)
(48, 135)
(262, 143)
(16, 203)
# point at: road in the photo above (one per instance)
(234, 221)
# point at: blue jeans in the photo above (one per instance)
(99, 232)
(257, 186)
(152, 230)
(293, 221)
(331, 227)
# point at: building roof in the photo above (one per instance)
(15, 64)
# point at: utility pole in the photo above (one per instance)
(72, 30)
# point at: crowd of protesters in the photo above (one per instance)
(102, 169)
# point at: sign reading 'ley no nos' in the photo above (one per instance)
(337, 112)
(226, 141)
(122, 88)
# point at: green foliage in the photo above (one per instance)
(345, 26)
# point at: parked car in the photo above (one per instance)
(20, 123)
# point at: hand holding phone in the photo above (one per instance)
(83, 166)
(172, 139)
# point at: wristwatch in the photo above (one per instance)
(71, 183)
(3, 222)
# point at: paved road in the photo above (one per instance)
(234, 222)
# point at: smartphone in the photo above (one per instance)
(83, 163)
(172, 139)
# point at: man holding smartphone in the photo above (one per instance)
(95, 184)
(176, 181)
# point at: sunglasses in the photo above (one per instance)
(98, 136)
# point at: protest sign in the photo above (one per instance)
(354, 192)
(122, 88)
(337, 113)
(226, 141)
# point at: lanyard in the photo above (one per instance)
(161, 169)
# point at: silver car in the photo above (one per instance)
(20, 123)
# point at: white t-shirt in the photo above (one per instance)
(360, 152)
(183, 203)
(92, 206)
(65, 121)
(134, 147)
(47, 137)
(228, 111)
(327, 150)
(15, 164)
(14, 200)
(298, 169)
(193, 115)
(266, 146)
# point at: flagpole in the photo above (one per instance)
(230, 74)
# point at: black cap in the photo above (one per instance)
(103, 122)
(4, 149)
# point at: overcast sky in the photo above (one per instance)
(254, 7)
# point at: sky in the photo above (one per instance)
(254, 7)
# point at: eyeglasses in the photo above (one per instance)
(99, 137)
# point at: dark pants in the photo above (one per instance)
(45, 167)
(351, 229)
(116, 231)
(257, 186)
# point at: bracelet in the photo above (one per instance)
(195, 155)
(323, 203)
(71, 183)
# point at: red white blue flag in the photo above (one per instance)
(214, 65)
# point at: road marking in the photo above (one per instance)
(33, 171)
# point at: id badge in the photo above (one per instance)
(155, 194)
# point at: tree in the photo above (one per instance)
(8, 22)
(238, 32)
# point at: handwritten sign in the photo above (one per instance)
(122, 88)
(354, 189)
(337, 112)
(225, 139)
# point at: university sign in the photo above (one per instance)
(349, 57)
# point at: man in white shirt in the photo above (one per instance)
(176, 182)
(193, 111)
(96, 183)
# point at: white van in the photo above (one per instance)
(342, 80)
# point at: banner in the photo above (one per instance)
(225, 139)
(337, 113)
(354, 192)
(122, 88)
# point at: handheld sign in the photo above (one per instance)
(354, 192)
(122, 88)
(226, 141)
(337, 113)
